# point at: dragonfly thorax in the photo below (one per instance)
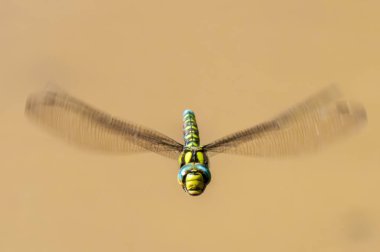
(193, 155)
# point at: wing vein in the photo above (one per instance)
(307, 126)
(79, 123)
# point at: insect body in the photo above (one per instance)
(306, 127)
(194, 174)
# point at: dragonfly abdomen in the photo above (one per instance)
(190, 129)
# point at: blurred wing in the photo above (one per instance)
(84, 125)
(306, 127)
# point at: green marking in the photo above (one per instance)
(192, 144)
(180, 158)
(191, 127)
(188, 157)
(188, 115)
(200, 157)
(191, 135)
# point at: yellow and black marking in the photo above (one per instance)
(193, 174)
(192, 152)
(190, 129)
(193, 156)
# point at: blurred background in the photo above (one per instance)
(235, 63)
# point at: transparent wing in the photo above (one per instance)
(84, 125)
(306, 127)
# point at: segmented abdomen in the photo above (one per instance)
(190, 129)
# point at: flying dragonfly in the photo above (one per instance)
(322, 118)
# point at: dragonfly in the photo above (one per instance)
(321, 119)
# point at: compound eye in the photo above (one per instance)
(205, 172)
(184, 172)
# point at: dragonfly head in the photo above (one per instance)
(194, 178)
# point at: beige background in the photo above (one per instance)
(235, 63)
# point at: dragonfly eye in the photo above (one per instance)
(194, 168)
(182, 173)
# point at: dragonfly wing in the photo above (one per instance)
(306, 127)
(81, 124)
